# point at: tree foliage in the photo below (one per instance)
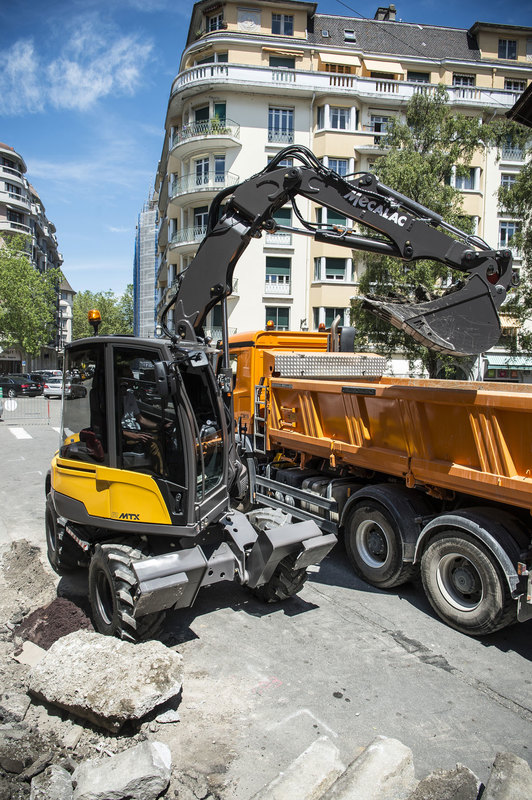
(421, 153)
(28, 298)
(117, 313)
(517, 202)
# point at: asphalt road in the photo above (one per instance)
(342, 660)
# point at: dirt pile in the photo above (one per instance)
(47, 624)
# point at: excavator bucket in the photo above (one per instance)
(461, 323)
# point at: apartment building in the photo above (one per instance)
(256, 77)
(145, 271)
(22, 211)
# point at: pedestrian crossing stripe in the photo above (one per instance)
(20, 433)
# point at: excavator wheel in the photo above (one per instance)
(284, 583)
(60, 548)
(112, 584)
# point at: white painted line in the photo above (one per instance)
(20, 433)
(58, 430)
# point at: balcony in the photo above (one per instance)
(279, 239)
(16, 227)
(183, 188)
(265, 79)
(187, 237)
(280, 137)
(10, 171)
(211, 133)
(512, 154)
(283, 289)
(20, 200)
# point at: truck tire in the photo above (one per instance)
(465, 585)
(284, 583)
(60, 549)
(112, 584)
(374, 545)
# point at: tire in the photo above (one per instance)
(60, 549)
(465, 585)
(374, 546)
(112, 585)
(284, 583)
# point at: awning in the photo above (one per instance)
(507, 361)
(278, 51)
(335, 58)
(383, 66)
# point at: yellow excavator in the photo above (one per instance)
(144, 488)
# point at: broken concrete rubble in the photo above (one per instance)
(54, 783)
(106, 681)
(510, 779)
(383, 771)
(140, 773)
(442, 784)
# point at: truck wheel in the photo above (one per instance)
(374, 547)
(465, 585)
(112, 585)
(284, 583)
(59, 547)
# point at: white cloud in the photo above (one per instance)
(112, 229)
(95, 62)
(19, 79)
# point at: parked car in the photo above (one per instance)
(18, 385)
(53, 386)
(36, 377)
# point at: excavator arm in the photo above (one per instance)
(463, 321)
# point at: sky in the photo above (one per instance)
(84, 87)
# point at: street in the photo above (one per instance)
(342, 660)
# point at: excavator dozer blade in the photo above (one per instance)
(461, 323)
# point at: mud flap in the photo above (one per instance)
(302, 538)
(462, 323)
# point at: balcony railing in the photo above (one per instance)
(513, 154)
(11, 171)
(189, 235)
(207, 182)
(211, 127)
(216, 333)
(280, 137)
(277, 288)
(314, 81)
(6, 224)
(279, 239)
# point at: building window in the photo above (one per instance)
(201, 171)
(328, 217)
(340, 118)
(508, 48)
(418, 77)
(284, 162)
(283, 62)
(327, 315)
(278, 273)
(281, 125)
(341, 69)
(350, 35)
(15, 216)
(507, 231)
(12, 189)
(512, 85)
(215, 22)
(283, 24)
(279, 315)
(219, 169)
(379, 123)
(220, 58)
(508, 179)
(332, 269)
(339, 165)
(201, 215)
(463, 80)
(466, 182)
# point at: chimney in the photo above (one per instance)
(385, 14)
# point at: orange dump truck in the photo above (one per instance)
(418, 475)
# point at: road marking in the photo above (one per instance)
(57, 430)
(20, 433)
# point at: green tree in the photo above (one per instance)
(517, 202)
(421, 152)
(115, 312)
(28, 298)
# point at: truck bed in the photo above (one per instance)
(454, 436)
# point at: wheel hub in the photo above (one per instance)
(376, 543)
(464, 580)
